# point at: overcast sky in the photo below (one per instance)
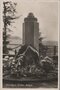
(45, 12)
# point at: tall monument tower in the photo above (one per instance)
(31, 31)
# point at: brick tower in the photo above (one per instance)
(31, 31)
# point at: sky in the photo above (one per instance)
(45, 12)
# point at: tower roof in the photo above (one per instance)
(30, 17)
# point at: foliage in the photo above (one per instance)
(42, 48)
(19, 67)
(9, 14)
(47, 64)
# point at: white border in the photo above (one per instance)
(1, 48)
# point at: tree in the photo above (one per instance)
(9, 14)
(42, 48)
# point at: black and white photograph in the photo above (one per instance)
(30, 44)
